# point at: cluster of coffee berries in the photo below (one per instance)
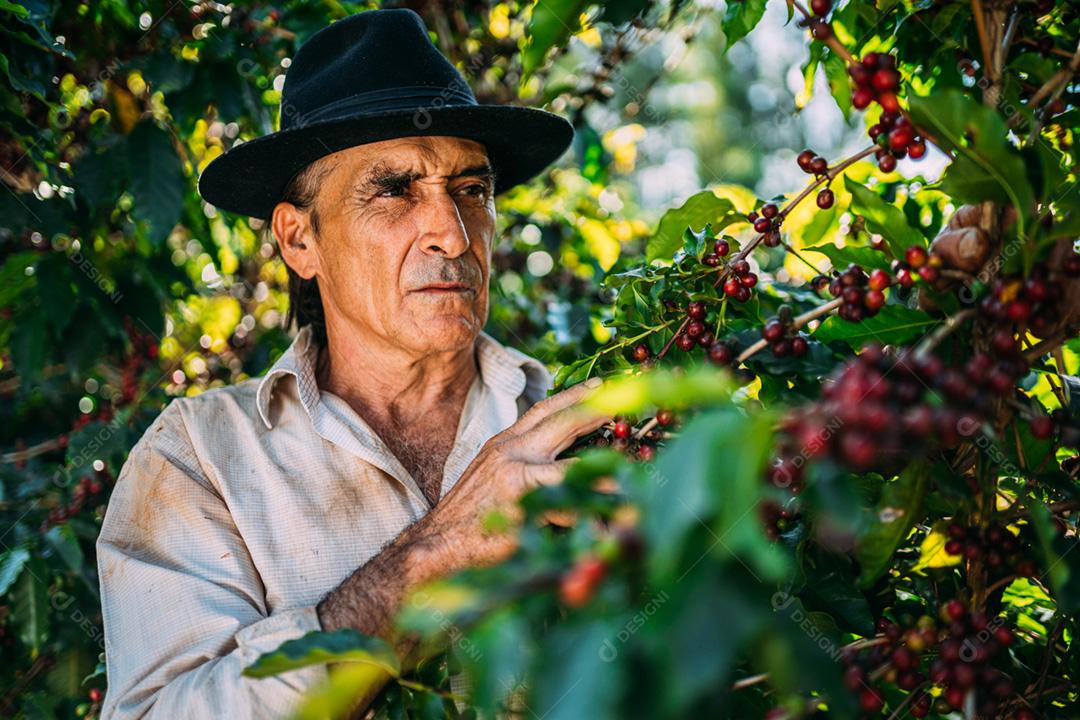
(777, 519)
(86, 490)
(740, 281)
(1032, 303)
(782, 337)
(719, 251)
(963, 665)
(811, 163)
(896, 139)
(959, 650)
(875, 79)
(579, 583)
(896, 661)
(999, 548)
(622, 436)
(861, 295)
(767, 224)
(695, 332)
(876, 408)
(917, 262)
(144, 350)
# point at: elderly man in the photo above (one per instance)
(365, 461)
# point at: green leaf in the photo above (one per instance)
(741, 17)
(30, 606)
(701, 208)
(157, 179)
(839, 82)
(63, 540)
(497, 653)
(894, 324)
(883, 218)
(551, 23)
(11, 564)
(315, 648)
(1062, 564)
(986, 167)
(892, 520)
(573, 676)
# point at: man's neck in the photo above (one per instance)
(389, 385)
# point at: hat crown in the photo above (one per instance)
(371, 62)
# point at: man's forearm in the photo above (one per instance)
(369, 598)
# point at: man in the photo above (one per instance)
(365, 461)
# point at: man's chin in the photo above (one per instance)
(446, 332)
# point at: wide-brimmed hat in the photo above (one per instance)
(376, 76)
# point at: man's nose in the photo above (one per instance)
(443, 232)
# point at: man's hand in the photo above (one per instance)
(452, 537)
(513, 462)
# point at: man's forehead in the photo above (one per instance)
(424, 155)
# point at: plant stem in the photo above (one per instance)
(835, 45)
(797, 323)
(943, 331)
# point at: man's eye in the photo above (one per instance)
(476, 190)
(396, 191)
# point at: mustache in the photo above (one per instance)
(457, 270)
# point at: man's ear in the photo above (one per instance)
(292, 229)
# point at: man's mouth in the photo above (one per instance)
(446, 288)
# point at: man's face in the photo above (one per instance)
(403, 249)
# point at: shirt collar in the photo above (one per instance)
(503, 369)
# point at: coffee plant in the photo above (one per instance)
(849, 491)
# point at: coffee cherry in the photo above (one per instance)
(1042, 426)
(822, 31)
(915, 256)
(710, 260)
(684, 342)
(799, 346)
(818, 165)
(641, 352)
(771, 238)
(821, 8)
(721, 353)
(804, 160)
(861, 98)
(95, 695)
(740, 267)
(916, 150)
(901, 137)
(870, 701)
(646, 453)
(762, 225)
(621, 430)
(695, 328)
(887, 164)
(879, 279)
(665, 418)
(696, 310)
(772, 331)
(732, 286)
(886, 80)
(721, 247)
(929, 273)
(580, 582)
(825, 199)
(769, 210)
(748, 280)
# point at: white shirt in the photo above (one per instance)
(239, 509)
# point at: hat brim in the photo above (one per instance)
(250, 178)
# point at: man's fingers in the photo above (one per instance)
(551, 473)
(557, 402)
(557, 432)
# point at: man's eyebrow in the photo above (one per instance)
(483, 171)
(382, 177)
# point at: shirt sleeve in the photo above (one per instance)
(183, 606)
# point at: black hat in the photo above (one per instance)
(375, 76)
